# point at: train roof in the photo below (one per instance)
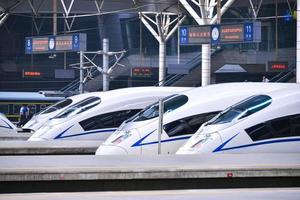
(211, 91)
(26, 96)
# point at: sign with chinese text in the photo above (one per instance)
(55, 44)
(221, 34)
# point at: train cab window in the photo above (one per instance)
(287, 126)
(188, 125)
(4, 109)
(59, 105)
(171, 103)
(242, 109)
(108, 120)
(80, 107)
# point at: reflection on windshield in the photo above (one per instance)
(79, 107)
(170, 103)
(242, 109)
(57, 106)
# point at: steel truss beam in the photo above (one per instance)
(206, 17)
(162, 29)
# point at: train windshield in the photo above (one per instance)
(79, 107)
(59, 105)
(170, 103)
(242, 109)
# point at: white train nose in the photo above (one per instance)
(111, 150)
(37, 139)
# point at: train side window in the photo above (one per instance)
(121, 116)
(259, 132)
(295, 125)
(287, 126)
(108, 120)
(281, 127)
(4, 109)
(188, 125)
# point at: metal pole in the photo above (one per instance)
(298, 44)
(206, 64)
(218, 11)
(162, 63)
(81, 73)
(105, 64)
(160, 124)
(65, 60)
(54, 17)
(276, 30)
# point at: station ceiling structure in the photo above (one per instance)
(73, 9)
(81, 8)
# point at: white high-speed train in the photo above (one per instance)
(265, 123)
(38, 120)
(183, 115)
(6, 126)
(100, 115)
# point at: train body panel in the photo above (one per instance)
(269, 126)
(183, 120)
(102, 114)
(38, 120)
(6, 126)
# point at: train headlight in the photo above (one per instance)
(123, 135)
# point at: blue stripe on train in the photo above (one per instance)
(221, 147)
(61, 135)
(139, 142)
(8, 126)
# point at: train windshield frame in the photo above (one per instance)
(57, 106)
(242, 109)
(170, 103)
(79, 107)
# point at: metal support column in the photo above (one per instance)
(81, 89)
(105, 64)
(54, 17)
(298, 44)
(162, 31)
(162, 63)
(206, 17)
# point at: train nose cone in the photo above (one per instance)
(111, 150)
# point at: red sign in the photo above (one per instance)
(277, 66)
(31, 74)
(141, 72)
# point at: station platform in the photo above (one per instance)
(108, 173)
(62, 147)
(14, 136)
(212, 194)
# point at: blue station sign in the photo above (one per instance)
(221, 34)
(55, 43)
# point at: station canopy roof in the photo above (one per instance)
(88, 6)
(70, 7)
